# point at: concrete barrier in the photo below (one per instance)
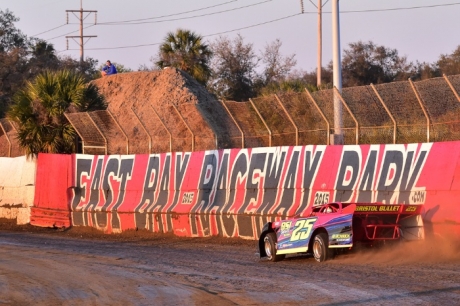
(17, 188)
(233, 192)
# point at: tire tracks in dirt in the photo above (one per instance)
(48, 269)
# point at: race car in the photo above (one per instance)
(335, 227)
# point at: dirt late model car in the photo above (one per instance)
(338, 227)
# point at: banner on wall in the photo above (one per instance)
(233, 192)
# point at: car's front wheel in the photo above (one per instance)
(320, 247)
(270, 247)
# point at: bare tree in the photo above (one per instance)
(277, 66)
(233, 69)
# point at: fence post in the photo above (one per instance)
(82, 140)
(189, 129)
(263, 121)
(7, 139)
(12, 125)
(145, 130)
(290, 119)
(451, 87)
(349, 111)
(236, 123)
(162, 123)
(321, 113)
(121, 129)
(428, 122)
(388, 111)
(100, 132)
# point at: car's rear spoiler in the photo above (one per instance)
(374, 208)
(389, 221)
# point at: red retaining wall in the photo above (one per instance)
(53, 181)
(234, 192)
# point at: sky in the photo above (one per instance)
(129, 32)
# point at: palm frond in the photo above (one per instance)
(39, 109)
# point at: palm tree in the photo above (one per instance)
(38, 109)
(187, 51)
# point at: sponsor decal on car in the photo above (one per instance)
(378, 208)
(341, 237)
(285, 228)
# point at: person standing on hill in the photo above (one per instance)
(108, 69)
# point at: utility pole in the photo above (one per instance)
(320, 43)
(81, 36)
(320, 39)
(337, 74)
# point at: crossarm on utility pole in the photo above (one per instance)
(81, 36)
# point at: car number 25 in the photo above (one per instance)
(302, 229)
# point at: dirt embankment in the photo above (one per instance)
(151, 106)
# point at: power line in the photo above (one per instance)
(393, 9)
(403, 8)
(126, 21)
(122, 47)
(258, 24)
(170, 15)
(186, 12)
(362, 11)
(92, 25)
(190, 17)
(317, 5)
(254, 25)
(214, 34)
(50, 30)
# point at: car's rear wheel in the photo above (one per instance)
(270, 247)
(320, 247)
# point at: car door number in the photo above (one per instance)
(303, 228)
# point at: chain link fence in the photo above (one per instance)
(92, 139)
(310, 122)
(277, 121)
(442, 107)
(254, 132)
(398, 112)
(9, 144)
(325, 101)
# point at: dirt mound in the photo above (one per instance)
(161, 111)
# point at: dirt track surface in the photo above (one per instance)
(83, 267)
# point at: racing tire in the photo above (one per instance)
(270, 247)
(320, 248)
